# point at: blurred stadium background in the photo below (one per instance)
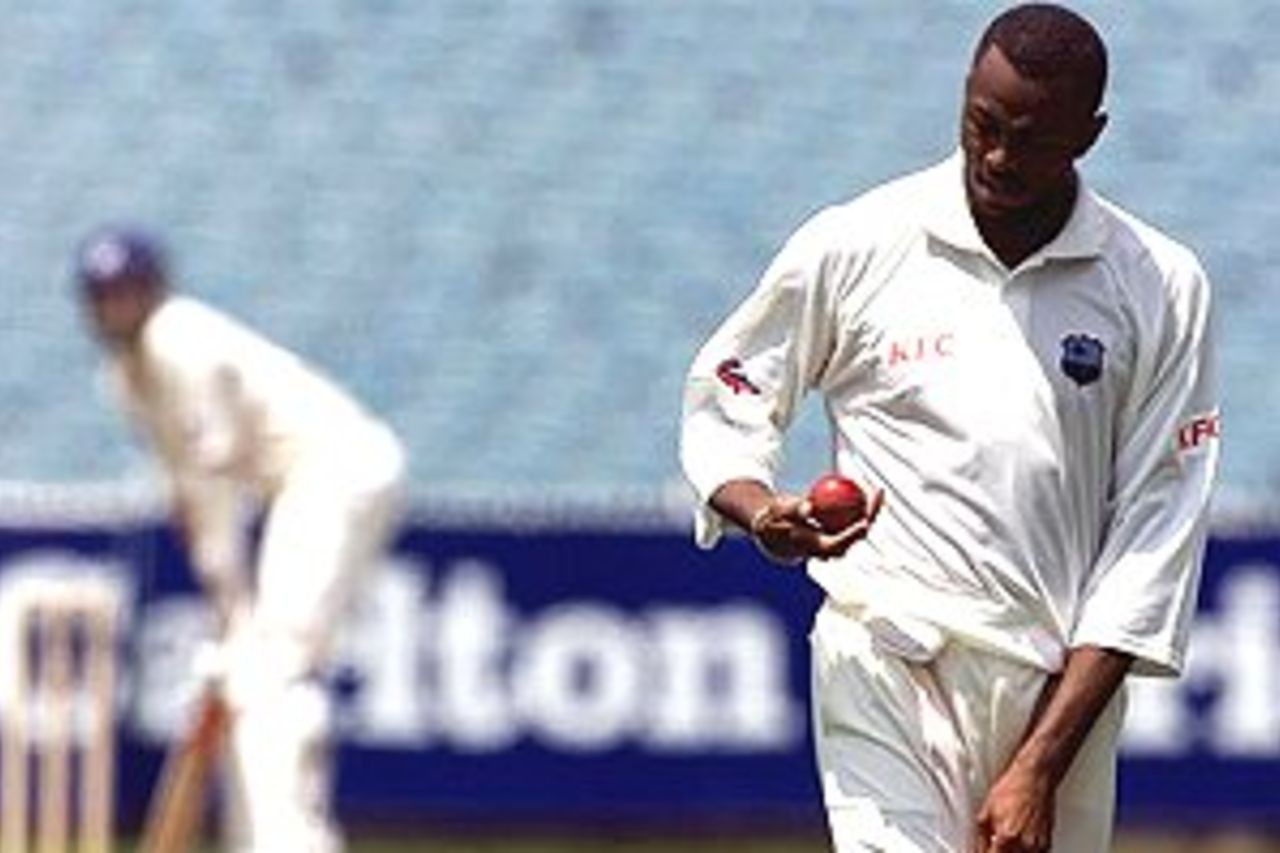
(508, 225)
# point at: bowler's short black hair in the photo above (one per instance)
(1051, 44)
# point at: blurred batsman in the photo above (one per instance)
(243, 427)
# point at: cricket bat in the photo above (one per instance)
(177, 806)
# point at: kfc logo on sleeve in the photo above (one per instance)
(1199, 430)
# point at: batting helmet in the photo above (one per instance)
(119, 257)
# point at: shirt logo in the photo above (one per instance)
(1198, 430)
(907, 350)
(1082, 357)
(731, 373)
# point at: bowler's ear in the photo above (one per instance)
(1097, 124)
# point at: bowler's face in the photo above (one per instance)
(1020, 138)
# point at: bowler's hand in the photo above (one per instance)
(787, 533)
(1017, 816)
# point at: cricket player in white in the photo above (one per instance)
(241, 425)
(1024, 373)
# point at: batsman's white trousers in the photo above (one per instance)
(324, 530)
(909, 742)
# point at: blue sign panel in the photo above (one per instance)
(1206, 748)
(626, 676)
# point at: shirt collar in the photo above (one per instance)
(950, 220)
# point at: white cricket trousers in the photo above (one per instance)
(323, 532)
(908, 748)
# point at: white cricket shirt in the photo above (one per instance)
(231, 416)
(1046, 437)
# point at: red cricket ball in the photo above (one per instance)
(836, 502)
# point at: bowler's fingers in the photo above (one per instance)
(989, 840)
(873, 506)
(985, 835)
(1001, 844)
